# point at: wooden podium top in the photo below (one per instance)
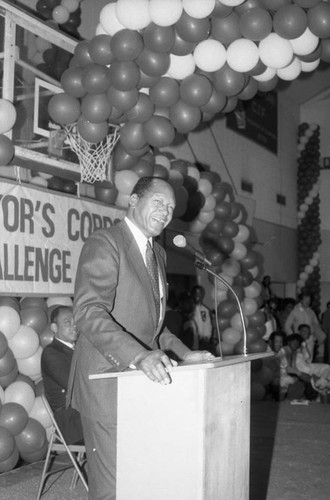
(205, 365)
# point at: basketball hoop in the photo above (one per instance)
(94, 158)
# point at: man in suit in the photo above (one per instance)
(120, 316)
(55, 368)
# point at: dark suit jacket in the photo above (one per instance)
(55, 368)
(115, 314)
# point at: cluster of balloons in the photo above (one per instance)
(24, 421)
(160, 68)
(7, 120)
(65, 13)
(309, 222)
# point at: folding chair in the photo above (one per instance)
(57, 444)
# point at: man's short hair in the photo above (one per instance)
(56, 311)
(145, 184)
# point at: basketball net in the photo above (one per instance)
(94, 158)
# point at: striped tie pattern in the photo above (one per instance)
(152, 268)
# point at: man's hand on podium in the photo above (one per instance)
(156, 365)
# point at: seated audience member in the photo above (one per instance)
(271, 324)
(304, 360)
(284, 311)
(55, 367)
(302, 313)
(294, 384)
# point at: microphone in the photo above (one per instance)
(202, 262)
(180, 241)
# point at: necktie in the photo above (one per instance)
(152, 268)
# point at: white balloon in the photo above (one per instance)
(242, 55)
(232, 3)
(134, 15)
(109, 21)
(205, 187)
(10, 321)
(275, 51)
(31, 366)
(306, 67)
(210, 55)
(38, 180)
(181, 66)
(39, 412)
(267, 75)
(194, 172)
(8, 113)
(24, 343)
(305, 44)
(290, 72)
(165, 13)
(198, 9)
(70, 5)
(100, 31)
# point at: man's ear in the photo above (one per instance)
(53, 327)
(133, 200)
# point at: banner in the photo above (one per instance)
(42, 234)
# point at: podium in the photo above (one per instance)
(189, 440)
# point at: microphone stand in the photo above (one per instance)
(202, 264)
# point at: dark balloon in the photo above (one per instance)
(159, 38)
(100, 50)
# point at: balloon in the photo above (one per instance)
(250, 260)
(159, 38)
(215, 104)
(122, 100)
(209, 205)
(245, 278)
(7, 116)
(319, 20)
(242, 55)
(249, 90)
(21, 393)
(257, 319)
(231, 267)
(143, 109)
(291, 71)
(181, 66)
(109, 20)
(181, 47)
(133, 15)
(34, 318)
(106, 195)
(9, 321)
(126, 45)
(121, 159)
(132, 136)
(255, 24)
(228, 81)
(39, 412)
(25, 343)
(227, 309)
(305, 43)
(125, 180)
(7, 363)
(122, 200)
(32, 437)
(33, 302)
(236, 322)
(197, 9)
(100, 50)
(153, 63)
(7, 444)
(226, 29)
(124, 75)
(253, 290)
(143, 168)
(13, 417)
(31, 366)
(11, 302)
(184, 117)
(25, 378)
(192, 29)
(165, 93)
(210, 55)
(243, 234)
(239, 251)
(161, 171)
(275, 51)
(60, 14)
(7, 150)
(195, 90)
(163, 15)
(258, 346)
(3, 345)
(231, 336)
(36, 455)
(290, 21)
(64, 108)
(92, 132)
(96, 108)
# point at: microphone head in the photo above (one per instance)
(180, 241)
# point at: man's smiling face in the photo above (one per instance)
(154, 211)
